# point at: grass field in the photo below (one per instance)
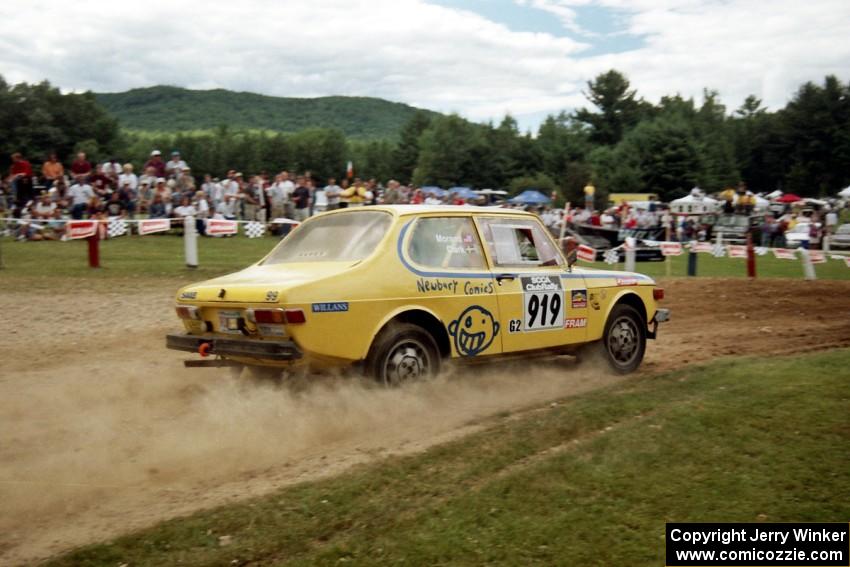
(158, 256)
(588, 480)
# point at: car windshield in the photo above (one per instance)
(341, 237)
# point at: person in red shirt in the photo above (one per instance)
(81, 165)
(156, 163)
(20, 177)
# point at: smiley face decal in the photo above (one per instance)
(473, 331)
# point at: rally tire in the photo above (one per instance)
(402, 353)
(624, 340)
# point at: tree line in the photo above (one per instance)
(621, 143)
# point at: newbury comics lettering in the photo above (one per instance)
(424, 285)
(470, 288)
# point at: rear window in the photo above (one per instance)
(340, 237)
(445, 242)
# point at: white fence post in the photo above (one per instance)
(630, 246)
(190, 241)
(808, 267)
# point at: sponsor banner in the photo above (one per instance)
(586, 253)
(150, 226)
(737, 251)
(784, 254)
(847, 261)
(817, 256)
(217, 227)
(81, 229)
(706, 247)
(671, 248)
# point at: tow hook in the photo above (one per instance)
(204, 349)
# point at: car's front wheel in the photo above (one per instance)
(624, 339)
(402, 353)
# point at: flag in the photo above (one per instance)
(586, 253)
(116, 227)
(254, 229)
(671, 248)
(612, 256)
(349, 170)
(149, 226)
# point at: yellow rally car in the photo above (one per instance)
(397, 289)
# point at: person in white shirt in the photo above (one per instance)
(128, 178)
(175, 166)
(227, 208)
(80, 193)
(185, 209)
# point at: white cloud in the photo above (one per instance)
(431, 56)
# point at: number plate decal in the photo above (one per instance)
(542, 303)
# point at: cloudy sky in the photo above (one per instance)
(480, 58)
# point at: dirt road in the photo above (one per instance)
(102, 431)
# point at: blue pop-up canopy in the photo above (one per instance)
(531, 197)
(464, 193)
(433, 190)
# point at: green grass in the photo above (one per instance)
(158, 256)
(591, 480)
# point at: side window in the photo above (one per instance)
(445, 242)
(519, 243)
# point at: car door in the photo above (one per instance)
(455, 282)
(541, 303)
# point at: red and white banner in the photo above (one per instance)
(221, 226)
(737, 251)
(817, 256)
(81, 229)
(847, 261)
(671, 248)
(586, 253)
(784, 254)
(702, 247)
(149, 226)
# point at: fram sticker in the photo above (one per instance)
(575, 323)
(578, 298)
(332, 307)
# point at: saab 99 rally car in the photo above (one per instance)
(398, 289)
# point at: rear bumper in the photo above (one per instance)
(221, 346)
(661, 315)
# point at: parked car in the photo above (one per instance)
(396, 289)
(841, 238)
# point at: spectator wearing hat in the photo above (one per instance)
(156, 163)
(81, 166)
(51, 170)
(185, 181)
(175, 165)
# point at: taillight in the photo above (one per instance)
(658, 293)
(295, 316)
(269, 316)
(188, 312)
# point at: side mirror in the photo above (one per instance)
(569, 247)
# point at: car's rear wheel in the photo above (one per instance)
(624, 339)
(402, 353)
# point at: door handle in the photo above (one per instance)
(501, 277)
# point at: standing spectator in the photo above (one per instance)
(301, 199)
(20, 178)
(52, 170)
(277, 197)
(332, 192)
(392, 195)
(209, 187)
(175, 165)
(80, 194)
(156, 163)
(250, 200)
(112, 169)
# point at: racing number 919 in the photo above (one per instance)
(543, 303)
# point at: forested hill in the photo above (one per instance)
(170, 109)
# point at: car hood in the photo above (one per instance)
(261, 283)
